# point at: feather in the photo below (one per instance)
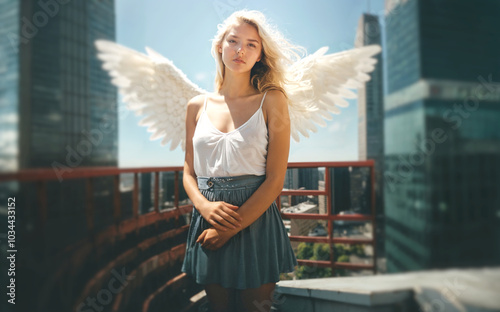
(319, 83)
(152, 87)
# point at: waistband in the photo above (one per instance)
(242, 181)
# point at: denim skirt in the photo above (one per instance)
(254, 256)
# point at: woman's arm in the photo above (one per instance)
(220, 215)
(278, 123)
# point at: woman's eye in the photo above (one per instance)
(252, 45)
(231, 41)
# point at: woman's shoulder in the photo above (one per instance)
(195, 105)
(276, 94)
(275, 105)
(198, 100)
(275, 98)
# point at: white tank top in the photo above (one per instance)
(238, 152)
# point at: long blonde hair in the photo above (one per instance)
(277, 53)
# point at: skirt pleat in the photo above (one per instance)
(254, 256)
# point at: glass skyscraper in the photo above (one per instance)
(371, 115)
(58, 110)
(57, 106)
(442, 134)
(9, 88)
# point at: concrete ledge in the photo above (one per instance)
(476, 289)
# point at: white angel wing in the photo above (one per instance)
(151, 86)
(318, 84)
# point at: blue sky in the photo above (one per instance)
(181, 31)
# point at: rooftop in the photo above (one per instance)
(474, 289)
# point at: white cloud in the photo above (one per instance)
(8, 165)
(335, 127)
(201, 76)
(8, 118)
(340, 126)
(8, 136)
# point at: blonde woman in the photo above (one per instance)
(237, 141)
(237, 145)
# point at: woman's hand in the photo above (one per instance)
(213, 239)
(221, 215)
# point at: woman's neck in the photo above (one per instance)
(236, 85)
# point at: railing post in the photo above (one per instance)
(328, 190)
(89, 205)
(176, 190)
(135, 202)
(157, 192)
(41, 218)
(42, 201)
(116, 202)
(135, 196)
(374, 217)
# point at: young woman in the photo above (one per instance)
(237, 144)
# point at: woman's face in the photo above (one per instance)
(241, 48)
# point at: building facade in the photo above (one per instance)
(442, 139)
(58, 105)
(371, 118)
(58, 110)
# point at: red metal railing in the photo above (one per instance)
(119, 228)
(41, 176)
(330, 239)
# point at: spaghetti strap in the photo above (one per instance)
(205, 104)
(262, 102)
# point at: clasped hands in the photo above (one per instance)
(225, 221)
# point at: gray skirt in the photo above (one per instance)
(255, 256)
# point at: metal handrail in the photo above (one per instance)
(329, 217)
(42, 176)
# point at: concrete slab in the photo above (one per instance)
(458, 288)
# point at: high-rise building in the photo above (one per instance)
(302, 178)
(340, 181)
(9, 88)
(371, 118)
(442, 136)
(371, 97)
(351, 190)
(58, 107)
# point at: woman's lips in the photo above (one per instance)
(239, 61)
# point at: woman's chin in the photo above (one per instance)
(239, 68)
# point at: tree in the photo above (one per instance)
(321, 251)
(305, 251)
(310, 251)
(342, 272)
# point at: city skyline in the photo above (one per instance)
(69, 240)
